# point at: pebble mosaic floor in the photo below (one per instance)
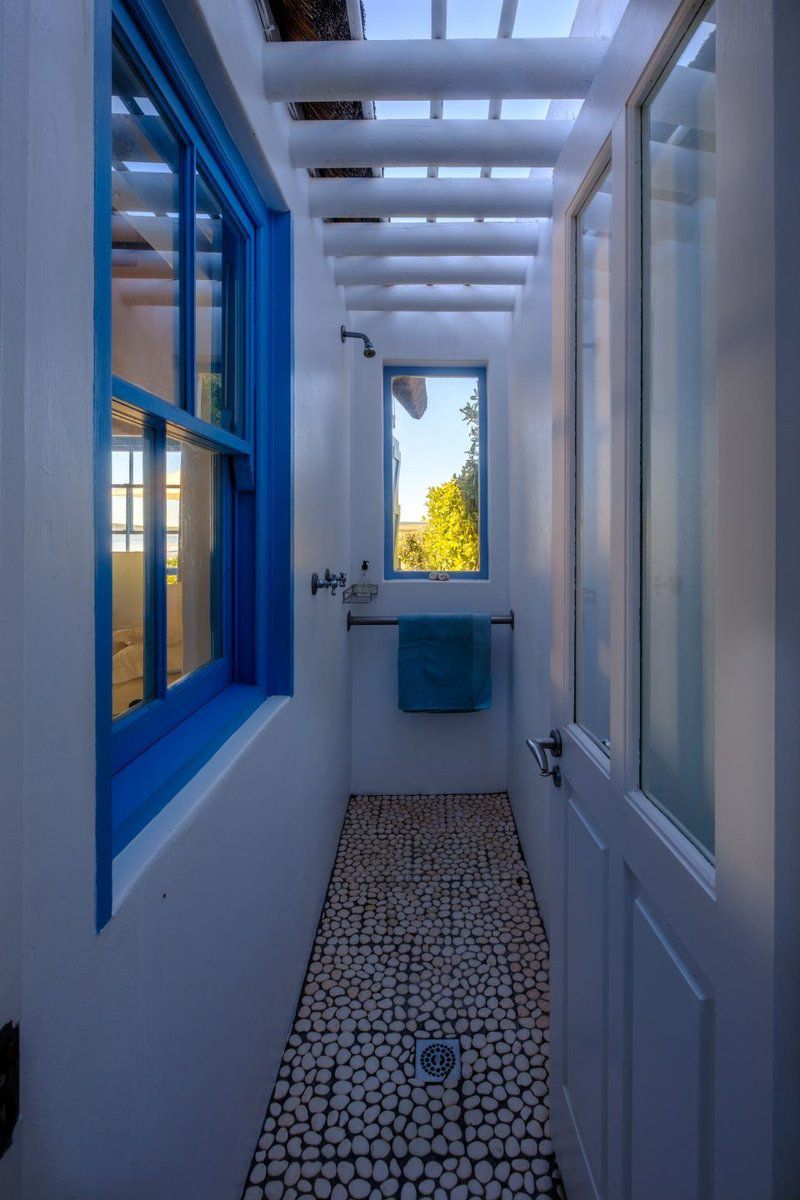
(430, 929)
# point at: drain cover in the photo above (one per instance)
(438, 1059)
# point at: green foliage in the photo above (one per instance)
(468, 477)
(410, 550)
(451, 532)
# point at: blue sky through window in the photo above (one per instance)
(432, 447)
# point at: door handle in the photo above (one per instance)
(540, 748)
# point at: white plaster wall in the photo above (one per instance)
(426, 752)
(149, 1049)
(529, 485)
(13, 134)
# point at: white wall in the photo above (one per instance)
(13, 136)
(529, 478)
(423, 752)
(149, 1049)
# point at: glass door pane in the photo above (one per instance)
(593, 464)
(679, 436)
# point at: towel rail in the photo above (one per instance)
(351, 620)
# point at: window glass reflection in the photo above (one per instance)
(194, 633)
(219, 314)
(145, 191)
(593, 430)
(679, 437)
(130, 686)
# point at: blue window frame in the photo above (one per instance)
(457, 455)
(192, 428)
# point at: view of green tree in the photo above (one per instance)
(449, 537)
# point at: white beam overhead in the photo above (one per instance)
(430, 299)
(458, 238)
(396, 143)
(473, 270)
(438, 69)
(431, 197)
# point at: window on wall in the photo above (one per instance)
(679, 466)
(593, 463)
(192, 544)
(435, 471)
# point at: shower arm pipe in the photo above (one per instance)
(351, 620)
(369, 349)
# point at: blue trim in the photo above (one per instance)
(150, 753)
(470, 372)
(177, 420)
(143, 788)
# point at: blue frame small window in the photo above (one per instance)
(435, 472)
(193, 435)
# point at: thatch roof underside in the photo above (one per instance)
(312, 21)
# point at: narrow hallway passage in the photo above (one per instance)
(430, 931)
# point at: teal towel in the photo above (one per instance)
(444, 663)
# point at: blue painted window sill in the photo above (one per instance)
(142, 788)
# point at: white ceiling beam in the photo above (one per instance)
(438, 69)
(394, 143)
(431, 197)
(473, 270)
(438, 18)
(505, 29)
(457, 238)
(430, 299)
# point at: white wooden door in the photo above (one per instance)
(663, 827)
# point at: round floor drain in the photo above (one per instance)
(437, 1060)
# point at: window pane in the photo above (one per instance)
(593, 429)
(131, 682)
(145, 191)
(194, 631)
(679, 438)
(219, 320)
(435, 464)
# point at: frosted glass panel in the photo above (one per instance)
(593, 430)
(679, 437)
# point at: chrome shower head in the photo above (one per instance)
(369, 349)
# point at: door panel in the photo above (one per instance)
(671, 1057)
(650, 936)
(587, 985)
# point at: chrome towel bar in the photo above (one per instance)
(351, 620)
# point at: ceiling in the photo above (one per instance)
(431, 156)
